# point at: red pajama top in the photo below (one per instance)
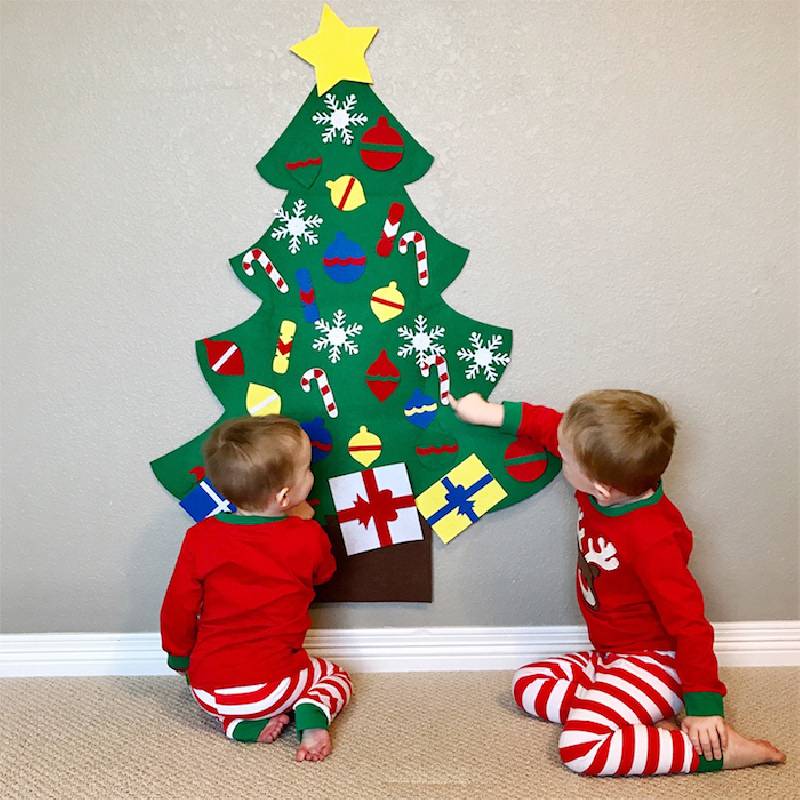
(236, 608)
(634, 587)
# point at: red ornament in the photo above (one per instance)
(198, 472)
(383, 377)
(224, 357)
(381, 146)
(525, 461)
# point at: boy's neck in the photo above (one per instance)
(270, 511)
(619, 499)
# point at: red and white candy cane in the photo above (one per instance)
(390, 228)
(441, 373)
(422, 253)
(269, 268)
(318, 375)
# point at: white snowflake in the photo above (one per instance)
(421, 341)
(338, 119)
(337, 334)
(483, 356)
(297, 226)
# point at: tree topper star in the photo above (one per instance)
(336, 52)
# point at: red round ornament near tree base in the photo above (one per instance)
(525, 461)
(381, 146)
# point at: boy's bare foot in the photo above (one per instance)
(314, 746)
(743, 752)
(670, 724)
(273, 729)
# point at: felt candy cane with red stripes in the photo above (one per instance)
(441, 373)
(318, 375)
(390, 228)
(422, 253)
(269, 268)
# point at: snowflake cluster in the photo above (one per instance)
(338, 118)
(297, 226)
(337, 334)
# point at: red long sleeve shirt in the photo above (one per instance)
(236, 608)
(634, 587)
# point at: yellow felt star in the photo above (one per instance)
(336, 52)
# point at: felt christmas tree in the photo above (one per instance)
(353, 339)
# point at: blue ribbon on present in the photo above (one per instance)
(458, 498)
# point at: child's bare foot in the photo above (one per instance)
(273, 729)
(670, 724)
(314, 746)
(742, 752)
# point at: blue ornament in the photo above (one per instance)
(344, 260)
(320, 436)
(307, 298)
(420, 410)
(205, 501)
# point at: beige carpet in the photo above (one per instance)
(423, 735)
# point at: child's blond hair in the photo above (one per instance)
(621, 438)
(251, 458)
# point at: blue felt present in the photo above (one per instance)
(205, 501)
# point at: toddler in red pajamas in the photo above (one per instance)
(236, 610)
(653, 647)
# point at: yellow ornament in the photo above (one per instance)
(261, 401)
(283, 347)
(365, 447)
(347, 193)
(337, 52)
(387, 302)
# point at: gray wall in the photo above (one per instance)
(625, 175)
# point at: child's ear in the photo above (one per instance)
(282, 497)
(602, 491)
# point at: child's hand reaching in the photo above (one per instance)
(709, 735)
(302, 510)
(474, 409)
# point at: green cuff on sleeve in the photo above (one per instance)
(307, 716)
(512, 418)
(703, 704)
(704, 765)
(179, 663)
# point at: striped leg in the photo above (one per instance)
(244, 711)
(326, 695)
(610, 727)
(545, 689)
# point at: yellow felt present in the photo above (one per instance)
(460, 498)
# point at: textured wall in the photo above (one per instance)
(625, 175)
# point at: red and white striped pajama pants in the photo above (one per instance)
(316, 694)
(609, 704)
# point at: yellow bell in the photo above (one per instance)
(347, 193)
(387, 302)
(364, 447)
(261, 401)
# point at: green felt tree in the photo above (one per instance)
(350, 278)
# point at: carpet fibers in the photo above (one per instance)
(433, 736)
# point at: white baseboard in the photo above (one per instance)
(738, 644)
